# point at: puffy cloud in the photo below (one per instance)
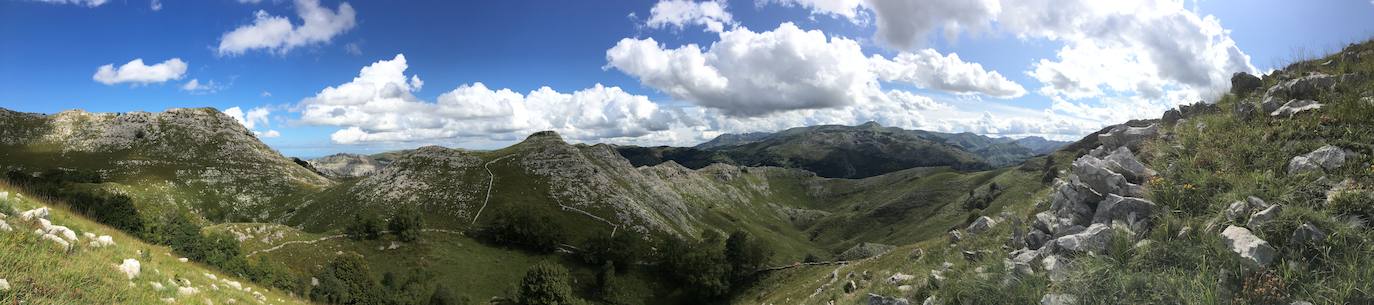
(379, 106)
(751, 74)
(680, 13)
(902, 23)
(928, 69)
(87, 3)
(138, 73)
(278, 35)
(194, 86)
(269, 134)
(748, 73)
(249, 119)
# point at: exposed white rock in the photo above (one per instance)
(1293, 107)
(88, 235)
(1123, 162)
(1058, 299)
(61, 243)
(1327, 157)
(1122, 209)
(157, 286)
(899, 278)
(5, 227)
(1249, 246)
(983, 223)
(185, 291)
(1092, 240)
(1237, 210)
(130, 268)
(1127, 136)
(102, 241)
(4, 285)
(183, 259)
(39, 213)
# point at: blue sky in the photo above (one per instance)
(623, 71)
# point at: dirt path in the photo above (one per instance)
(306, 242)
(490, 182)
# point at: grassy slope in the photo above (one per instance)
(39, 273)
(1224, 161)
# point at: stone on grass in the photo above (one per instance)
(1327, 157)
(39, 213)
(955, 236)
(899, 278)
(102, 241)
(130, 268)
(1237, 211)
(874, 299)
(1248, 246)
(5, 227)
(1294, 107)
(61, 243)
(1058, 299)
(187, 291)
(1307, 233)
(1260, 218)
(937, 278)
(4, 285)
(1123, 162)
(983, 223)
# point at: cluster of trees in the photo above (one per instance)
(533, 230)
(347, 280)
(115, 210)
(710, 267)
(219, 249)
(406, 223)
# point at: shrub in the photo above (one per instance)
(622, 250)
(546, 284)
(442, 296)
(346, 280)
(406, 224)
(364, 226)
(745, 255)
(533, 230)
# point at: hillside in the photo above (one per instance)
(180, 159)
(849, 151)
(126, 270)
(1261, 197)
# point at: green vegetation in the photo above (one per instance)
(547, 284)
(406, 224)
(365, 226)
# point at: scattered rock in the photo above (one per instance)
(1242, 82)
(157, 286)
(187, 291)
(1237, 211)
(937, 278)
(4, 285)
(5, 227)
(1116, 208)
(130, 268)
(1307, 233)
(955, 236)
(975, 255)
(61, 243)
(1171, 117)
(850, 286)
(1327, 157)
(1128, 136)
(983, 223)
(1123, 162)
(39, 213)
(931, 300)
(1094, 172)
(1036, 239)
(899, 278)
(1270, 104)
(905, 288)
(1304, 87)
(1293, 107)
(1058, 299)
(874, 299)
(183, 259)
(1092, 240)
(102, 241)
(1244, 110)
(1249, 246)
(1056, 267)
(1260, 218)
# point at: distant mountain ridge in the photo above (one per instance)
(839, 151)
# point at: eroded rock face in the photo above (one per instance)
(346, 165)
(1123, 162)
(1095, 173)
(1304, 87)
(1248, 246)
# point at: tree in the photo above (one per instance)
(745, 254)
(546, 284)
(533, 229)
(622, 250)
(700, 267)
(406, 224)
(442, 296)
(364, 226)
(346, 280)
(608, 286)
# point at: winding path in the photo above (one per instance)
(490, 182)
(312, 241)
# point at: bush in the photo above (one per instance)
(622, 250)
(745, 254)
(346, 280)
(546, 284)
(115, 210)
(364, 226)
(406, 224)
(533, 230)
(442, 296)
(699, 266)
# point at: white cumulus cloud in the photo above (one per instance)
(681, 13)
(136, 72)
(278, 35)
(379, 106)
(749, 73)
(194, 86)
(249, 119)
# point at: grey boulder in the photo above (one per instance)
(983, 223)
(1327, 157)
(1092, 240)
(1307, 233)
(1264, 216)
(1124, 209)
(1242, 82)
(1248, 246)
